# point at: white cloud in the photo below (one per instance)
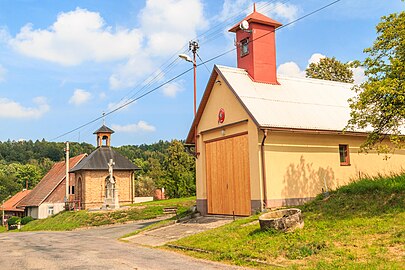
(3, 72)
(114, 105)
(75, 37)
(275, 10)
(171, 89)
(278, 10)
(169, 24)
(13, 109)
(141, 126)
(128, 74)
(79, 97)
(315, 58)
(4, 34)
(358, 75)
(102, 96)
(290, 69)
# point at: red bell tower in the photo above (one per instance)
(256, 46)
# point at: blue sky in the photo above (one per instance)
(63, 63)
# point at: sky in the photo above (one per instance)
(64, 63)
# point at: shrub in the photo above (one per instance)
(13, 221)
(144, 186)
(27, 219)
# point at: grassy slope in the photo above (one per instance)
(72, 220)
(360, 226)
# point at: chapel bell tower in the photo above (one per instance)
(103, 136)
(256, 46)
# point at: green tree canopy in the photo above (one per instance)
(380, 100)
(180, 171)
(330, 69)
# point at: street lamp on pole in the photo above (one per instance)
(193, 47)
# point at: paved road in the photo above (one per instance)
(96, 248)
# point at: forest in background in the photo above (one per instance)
(163, 165)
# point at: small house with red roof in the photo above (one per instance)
(10, 206)
(48, 196)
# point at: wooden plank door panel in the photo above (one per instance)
(228, 177)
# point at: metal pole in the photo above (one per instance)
(193, 46)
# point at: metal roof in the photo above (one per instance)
(99, 158)
(301, 103)
(257, 17)
(104, 129)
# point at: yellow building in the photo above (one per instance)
(270, 141)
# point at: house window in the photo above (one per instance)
(50, 210)
(72, 190)
(344, 155)
(244, 47)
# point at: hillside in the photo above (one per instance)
(24, 163)
(360, 226)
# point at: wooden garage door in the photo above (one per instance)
(228, 182)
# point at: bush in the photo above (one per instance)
(26, 220)
(144, 187)
(13, 221)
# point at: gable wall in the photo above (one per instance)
(58, 194)
(222, 97)
(94, 187)
(297, 165)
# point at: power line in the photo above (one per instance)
(154, 77)
(186, 71)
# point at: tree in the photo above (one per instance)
(380, 101)
(330, 69)
(144, 186)
(180, 171)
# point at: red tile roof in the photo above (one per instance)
(50, 181)
(11, 204)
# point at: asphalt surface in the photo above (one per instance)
(159, 237)
(95, 248)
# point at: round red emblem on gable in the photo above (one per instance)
(221, 116)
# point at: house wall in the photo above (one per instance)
(93, 183)
(299, 164)
(237, 121)
(43, 209)
(58, 194)
(32, 211)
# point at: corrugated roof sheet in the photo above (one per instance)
(49, 182)
(11, 204)
(99, 158)
(301, 103)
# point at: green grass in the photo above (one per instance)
(360, 226)
(2, 229)
(71, 220)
